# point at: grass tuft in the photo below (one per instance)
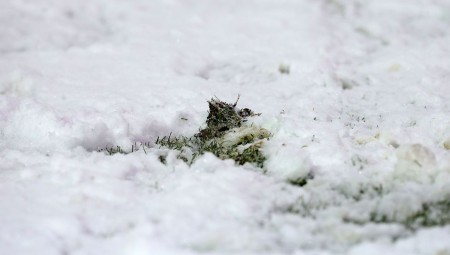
(430, 214)
(227, 135)
(119, 150)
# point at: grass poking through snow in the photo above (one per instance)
(227, 135)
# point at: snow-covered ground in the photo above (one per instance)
(365, 111)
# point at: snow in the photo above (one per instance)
(364, 112)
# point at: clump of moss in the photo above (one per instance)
(227, 135)
(223, 117)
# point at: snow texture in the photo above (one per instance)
(363, 115)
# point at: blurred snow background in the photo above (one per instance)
(365, 109)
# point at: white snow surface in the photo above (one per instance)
(364, 112)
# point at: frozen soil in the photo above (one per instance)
(356, 95)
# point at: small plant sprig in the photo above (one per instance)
(118, 149)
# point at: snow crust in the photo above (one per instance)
(364, 113)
